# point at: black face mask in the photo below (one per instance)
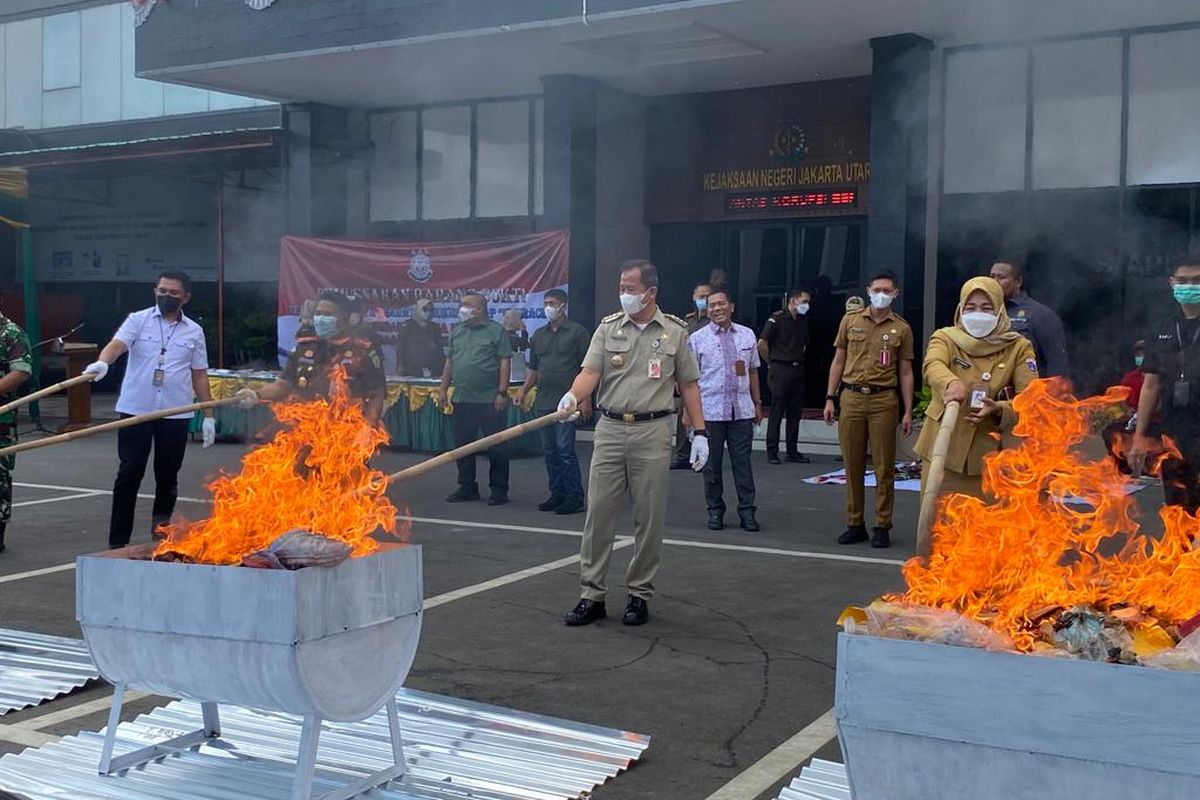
(167, 303)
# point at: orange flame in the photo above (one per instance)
(1009, 562)
(312, 476)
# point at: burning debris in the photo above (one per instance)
(306, 498)
(1029, 572)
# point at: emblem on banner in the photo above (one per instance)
(420, 266)
(790, 141)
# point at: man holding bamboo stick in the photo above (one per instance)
(168, 365)
(15, 369)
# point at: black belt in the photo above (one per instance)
(789, 363)
(866, 388)
(627, 417)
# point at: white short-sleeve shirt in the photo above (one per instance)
(182, 349)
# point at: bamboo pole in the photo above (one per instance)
(477, 446)
(933, 478)
(86, 377)
(118, 424)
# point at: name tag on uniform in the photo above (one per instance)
(739, 368)
(654, 368)
(160, 375)
(1182, 394)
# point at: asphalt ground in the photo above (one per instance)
(736, 662)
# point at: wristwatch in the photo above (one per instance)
(702, 432)
(833, 397)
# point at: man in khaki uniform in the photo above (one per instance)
(874, 358)
(635, 360)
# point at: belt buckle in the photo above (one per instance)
(627, 417)
(865, 389)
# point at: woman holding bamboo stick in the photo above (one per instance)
(978, 363)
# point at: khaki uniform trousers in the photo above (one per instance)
(869, 418)
(952, 483)
(633, 457)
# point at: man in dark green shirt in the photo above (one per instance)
(556, 352)
(479, 366)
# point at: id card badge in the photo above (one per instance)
(979, 393)
(159, 376)
(654, 369)
(739, 368)
(1182, 394)
(885, 357)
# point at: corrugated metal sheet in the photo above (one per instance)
(454, 749)
(820, 780)
(36, 667)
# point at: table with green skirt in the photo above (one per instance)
(412, 418)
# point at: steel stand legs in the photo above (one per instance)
(109, 765)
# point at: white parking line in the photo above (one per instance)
(33, 573)
(780, 762)
(24, 503)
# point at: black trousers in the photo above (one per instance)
(473, 421)
(169, 439)
(738, 436)
(786, 383)
(1181, 482)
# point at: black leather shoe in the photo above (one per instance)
(797, 458)
(585, 612)
(498, 498)
(681, 465)
(773, 458)
(551, 503)
(853, 535)
(749, 523)
(571, 505)
(463, 494)
(880, 537)
(716, 522)
(636, 612)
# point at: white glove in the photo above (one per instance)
(208, 431)
(569, 403)
(247, 398)
(699, 452)
(97, 368)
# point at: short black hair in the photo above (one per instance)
(885, 275)
(176, 275)
(557, 294)
(647, 272)
(1188, 258)
(1018, 269)
(799, 290)
(721, 290)
(344, 303)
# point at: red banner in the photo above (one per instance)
(388, 277)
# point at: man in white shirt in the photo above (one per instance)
(167, 367)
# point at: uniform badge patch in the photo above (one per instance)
(1031, 364)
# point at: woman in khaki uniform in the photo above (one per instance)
(979, 359)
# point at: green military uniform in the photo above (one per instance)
(870, 408)
(14, 357)
(310, 365)
(631, 450)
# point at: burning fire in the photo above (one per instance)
(1013, 562)
(312, 476)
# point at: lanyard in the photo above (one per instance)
(1183, 350)
(163, 342)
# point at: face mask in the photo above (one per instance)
(325, 325)
(880, 300)
(1186, 294)
(702, 304)
(1137, 360)
(167, 303)
(553, 312)
(633, 303)
(801, 308)
(979, 323)
(421, 313)
(466, 313)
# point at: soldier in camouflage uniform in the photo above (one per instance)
(15, 369)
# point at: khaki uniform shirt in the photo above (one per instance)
(639, 368)
(865, 342)
(1009, 371)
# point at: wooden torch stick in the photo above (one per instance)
(86, 377)
(933, 478)
(477, 446)
(121, 423)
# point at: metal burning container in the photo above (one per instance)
(328, 643)
(921, 721)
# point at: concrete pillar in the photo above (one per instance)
(570, 180)
(899, 157)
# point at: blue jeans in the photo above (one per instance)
(562, 467)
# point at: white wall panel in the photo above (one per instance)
(985, 120)
(184, 99)
(446, 163)
(60, 51)
(502, 185)
(1164, 108)
(139, 98)
(23, 73)
(101, 63)
(60, 108)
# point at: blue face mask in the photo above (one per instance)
(1137, 360)
(1187, 294)
(325, 325)
(702, 304)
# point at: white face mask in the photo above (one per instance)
(553, 312)
(633, 303)
(880, 299)
(466, 313)
(980, 323)
(801, 308)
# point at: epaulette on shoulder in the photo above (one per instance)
(613, 317)
(902, 319)
(675, 319)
